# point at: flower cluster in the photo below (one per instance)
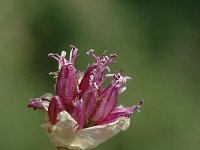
(83, 113)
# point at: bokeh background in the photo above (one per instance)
(158, 44)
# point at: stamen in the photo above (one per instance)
(54, 56)
(73, 54)
(113, 55)
(107, 68)
(63, 54)
(106, 58)
(55, 74)
(95, 85)
(120, 78)
(138, 106)
(104, 53)
(91, 52)
(122, 90)
(109, 75)
(91, 78)
(61, 59)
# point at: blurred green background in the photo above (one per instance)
(158, 44)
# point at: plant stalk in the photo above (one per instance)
(62, 148)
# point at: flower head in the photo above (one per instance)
(83, 113)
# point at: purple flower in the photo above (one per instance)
(82, 103)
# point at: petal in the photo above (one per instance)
(90, 99)
(66, 86)
(121, 112)
(88, 103)
(85, 82)
(116, 86)
(56, 106)
(77, 112)
(106, 104)
(38, 103)
(41, 102)
(111, 103)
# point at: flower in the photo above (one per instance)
(83, 113)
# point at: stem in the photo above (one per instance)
(62, 148)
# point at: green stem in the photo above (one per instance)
(62, 148)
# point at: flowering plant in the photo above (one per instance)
(83, 113)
